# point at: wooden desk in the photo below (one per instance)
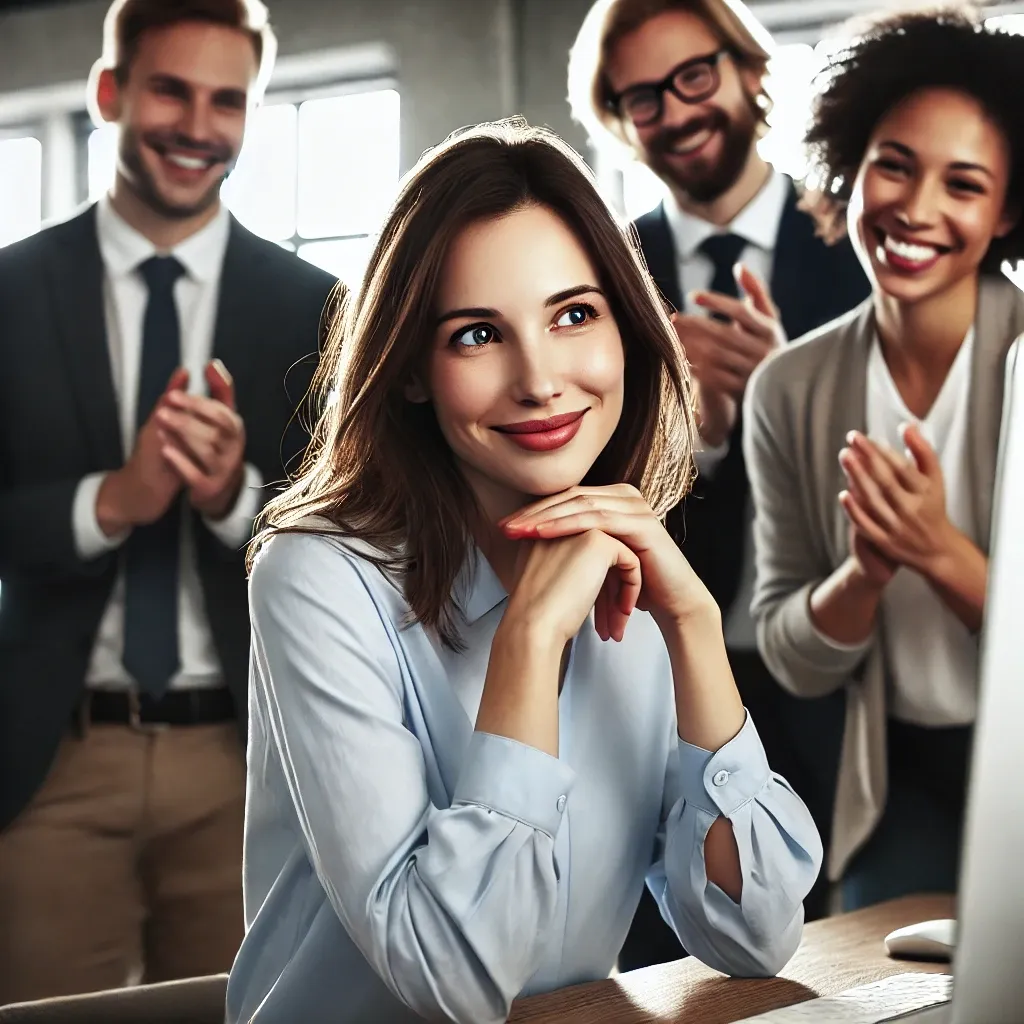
(836, 954)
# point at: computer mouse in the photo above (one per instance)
(927, 940)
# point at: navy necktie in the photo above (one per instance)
(151, 551)
(723, 251)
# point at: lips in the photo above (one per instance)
(185, 159)
(905, 256)
(690, 139)
(693, 144)
(544, 435)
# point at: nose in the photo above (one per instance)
(920, 205)
(538, 377)
(196, 120)
(674, 112)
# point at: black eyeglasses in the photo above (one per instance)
(693, 81)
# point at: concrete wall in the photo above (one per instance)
(458, 61)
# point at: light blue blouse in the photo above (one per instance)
(399, 865)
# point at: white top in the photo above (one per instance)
(758, 222)
(932, 656)
(196, 292)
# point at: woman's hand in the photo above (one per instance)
(898, 504)
(561, 579)
(671, 590)
(876, 568)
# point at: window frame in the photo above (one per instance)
(296, 94)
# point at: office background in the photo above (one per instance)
(361, 88)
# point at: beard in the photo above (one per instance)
(145, 186)
(703, 181)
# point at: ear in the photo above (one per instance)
(1008, 221)
(751, 79)
(415, 392)
(108, 96)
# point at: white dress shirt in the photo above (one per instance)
(932, 656)
(122, 250)
(758, 222)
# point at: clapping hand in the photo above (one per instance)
(203, 439)
(896, 504)
(724, 349)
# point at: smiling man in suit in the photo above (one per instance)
(144, 412)
(680, 85)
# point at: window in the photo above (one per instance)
(316, 175)
(791, 74)
(21, 186)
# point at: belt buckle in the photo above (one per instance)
(135, 721)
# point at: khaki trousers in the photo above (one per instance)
(126, 865)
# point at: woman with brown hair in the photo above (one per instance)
(457, 786)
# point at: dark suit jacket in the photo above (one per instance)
(58, 423)
(812, 283)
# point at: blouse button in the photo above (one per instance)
(720, 778)
(561, 803)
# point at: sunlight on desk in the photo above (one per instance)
(836, 954)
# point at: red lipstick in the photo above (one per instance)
(544, 435)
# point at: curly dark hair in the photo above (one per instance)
(891, 58)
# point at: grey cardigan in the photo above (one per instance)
(799, 406)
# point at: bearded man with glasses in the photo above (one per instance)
(680, 86)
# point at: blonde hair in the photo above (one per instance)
(609, 21)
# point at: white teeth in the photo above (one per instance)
(693, 143)
(190, 163)
(909, 251)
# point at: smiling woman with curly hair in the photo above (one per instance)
(871, 445)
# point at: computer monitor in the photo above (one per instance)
(988, 967)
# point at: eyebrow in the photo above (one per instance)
(959, 165)
(482, 312)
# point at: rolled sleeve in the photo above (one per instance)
(859, 648)
(515, 780)
(235, 528)
(799, 654)
(90, 540)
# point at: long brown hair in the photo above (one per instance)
(378, 466)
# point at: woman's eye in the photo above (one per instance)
(475, 336)
(576, 315)
(890, 165)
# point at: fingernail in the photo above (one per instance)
(695, 297)
(851, 437)
(222, 370)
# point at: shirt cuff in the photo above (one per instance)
(516, 780)
(90, 540)
(708, 459)
(235, 529)
(723, 781)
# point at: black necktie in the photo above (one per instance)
(723, 251)
(151, 552)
